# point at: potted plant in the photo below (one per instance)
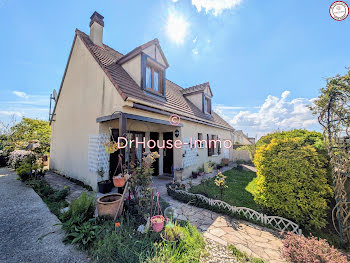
(225, 161)
(172, 233)
(178, 174)
(208, 167)
(219, 166)
(104, 186)
(119, 180)
(157, 223)
(107, 205)
(201, 171)
(194, 174)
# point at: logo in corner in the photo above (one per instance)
(339, 10)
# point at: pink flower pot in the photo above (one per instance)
(157, 223)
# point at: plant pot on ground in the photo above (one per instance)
(105, 186)
(201, 172)
(194, 175)
(107, 205)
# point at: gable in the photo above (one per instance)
(154, 52)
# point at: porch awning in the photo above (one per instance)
(129, 116)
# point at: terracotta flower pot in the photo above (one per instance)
(118, 181)
(157, 223)
(107, 205)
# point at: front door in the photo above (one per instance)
(168, 155)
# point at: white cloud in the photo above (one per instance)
(215, 6)
(195, 51)
(21, 94)
(10, 113)
(276, 113)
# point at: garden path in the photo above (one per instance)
(57, 182)
(255, 240)
(28, 230)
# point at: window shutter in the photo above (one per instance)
(208, 145)
(219, 149)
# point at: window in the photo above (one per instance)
(214, 145)
(207, 105)
(200, 141)
(153, 79)
(148, 77)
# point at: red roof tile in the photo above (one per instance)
(127, 87)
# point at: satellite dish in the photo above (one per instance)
(54, 95)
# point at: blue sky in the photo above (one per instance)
(265, 60)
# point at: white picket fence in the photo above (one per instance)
(276, 222)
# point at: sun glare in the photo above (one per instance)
(177, 28)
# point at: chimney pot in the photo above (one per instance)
(96, 29)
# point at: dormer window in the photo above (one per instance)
(207, 105)
(153, 76)
(153, 79)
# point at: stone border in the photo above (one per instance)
(274, 222)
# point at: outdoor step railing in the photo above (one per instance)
(275, 222)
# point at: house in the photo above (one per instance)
(240, 138)
(105, 94)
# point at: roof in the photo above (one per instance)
(107, 58)
(196, 88)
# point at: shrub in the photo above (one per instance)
(17, 157)
(3, 158)
(24, 171)
(80, 210)
(308, 250)
(292, 181)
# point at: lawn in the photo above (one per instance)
(240, 186)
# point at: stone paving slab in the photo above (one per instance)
(58, 182)
(255, 240)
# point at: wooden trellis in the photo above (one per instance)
(333, 110)
(276, 222)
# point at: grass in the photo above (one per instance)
(242, 256)
(54, 199)
(240, 184)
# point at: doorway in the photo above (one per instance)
(168, 155)
(155, 137)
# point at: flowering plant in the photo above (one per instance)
(300, 249)
(220, 181)
(140, 180)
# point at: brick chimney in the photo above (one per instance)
(96, 29)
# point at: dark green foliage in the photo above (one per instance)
(24, 171)
(80, 210)
(83, 235)
(78, 222)
(124, 243)
(54, 199)
(3, 158)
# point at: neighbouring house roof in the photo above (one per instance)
(196, 88)
(108, 59)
